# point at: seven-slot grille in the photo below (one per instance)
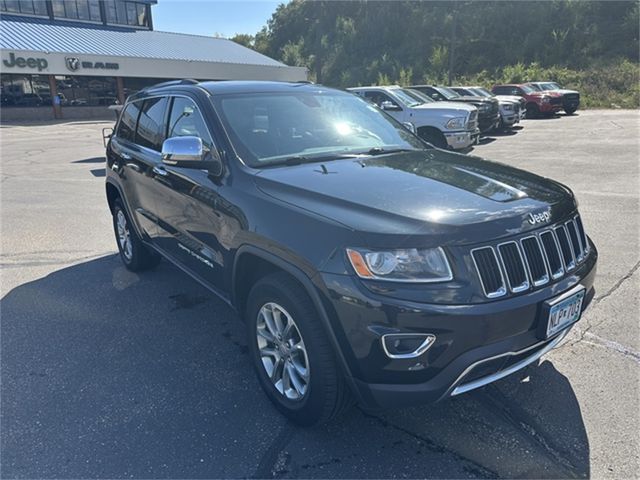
(472, 122)
(533, 260)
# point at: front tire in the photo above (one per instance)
(291, 354)
(135, 255)
(570, 111)
(435, 138)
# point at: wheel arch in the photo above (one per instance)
(267, 263)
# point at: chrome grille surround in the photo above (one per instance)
(555, 250)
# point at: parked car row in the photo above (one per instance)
(455, 117)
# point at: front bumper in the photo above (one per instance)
(475, 344)
(509, 117)
(461, 140)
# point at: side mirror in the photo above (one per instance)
(188, 152)
(389, 106)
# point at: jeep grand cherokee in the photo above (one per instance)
(367, 265)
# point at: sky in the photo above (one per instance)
(211, 17)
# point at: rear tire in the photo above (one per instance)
(291, 353)
(532, 110)
(435, 138)
(135, 255)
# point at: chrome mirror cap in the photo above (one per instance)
(182, 149)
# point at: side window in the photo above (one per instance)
(150, 132)
(128, 120)
(378, 98)
(186, 120)
(517, 91)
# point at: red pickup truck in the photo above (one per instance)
(538, 103)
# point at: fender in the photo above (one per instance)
(123, 199)
(307, 284)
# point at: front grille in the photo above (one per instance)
(531, 261)
(472, 123)
(490, 273)
(572, 97)
(513, 264)
(535, 260)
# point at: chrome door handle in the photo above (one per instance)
(125, 156)
(160, 171)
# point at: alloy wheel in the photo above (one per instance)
(124, 235)
(282, 351)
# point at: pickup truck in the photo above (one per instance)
(510, 112)
(443, 124)
(570, 98)
(538, 103)
(488, 108)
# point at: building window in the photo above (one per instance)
(25, 90)
(87, 91)
(77, 9)
(122, 12)
(31, 7)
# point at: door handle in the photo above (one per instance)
(160, 171)
(125, 156)
(133, 166)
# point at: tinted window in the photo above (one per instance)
(186, 121)
(150, 131)
(269, 128)
(128, 119)
(379, 97)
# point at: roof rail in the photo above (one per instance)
(184, 81)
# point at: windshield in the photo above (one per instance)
(534, 87)
(404, 97)
(550, 86)
(529, 89)
(419, 96)
(447, 93)
(274, 128)
(481, 92)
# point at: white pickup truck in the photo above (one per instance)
(443, 124)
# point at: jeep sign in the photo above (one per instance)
(21, 62)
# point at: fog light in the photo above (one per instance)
(406, 345)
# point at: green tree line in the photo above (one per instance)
(593, 45)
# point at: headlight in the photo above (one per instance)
(454, 123)
(508, 107)
(407, 265)
(545, 99)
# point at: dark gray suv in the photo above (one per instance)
(368, 266)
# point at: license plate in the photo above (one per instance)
(564, 311)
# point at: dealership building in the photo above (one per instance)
(74, 59)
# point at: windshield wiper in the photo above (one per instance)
(384, 151)
(299, 159)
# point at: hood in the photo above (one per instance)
(474, 100)
(510, 98)
(446, 197)
(567, 92)
(548, 93)
(446, 107)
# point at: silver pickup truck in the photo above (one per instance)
(444, 124)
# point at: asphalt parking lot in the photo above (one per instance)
(106, 373)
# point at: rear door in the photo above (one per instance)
(190, 221)
(136, 148)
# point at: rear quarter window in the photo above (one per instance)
(150, 130)
(128, 121)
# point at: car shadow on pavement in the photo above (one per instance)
(91, 160)
(107, 373)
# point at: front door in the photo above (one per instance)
(189, 222)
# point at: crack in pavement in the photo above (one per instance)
(472, 466)
(273, 463)
(596, 301)
(501, 405)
